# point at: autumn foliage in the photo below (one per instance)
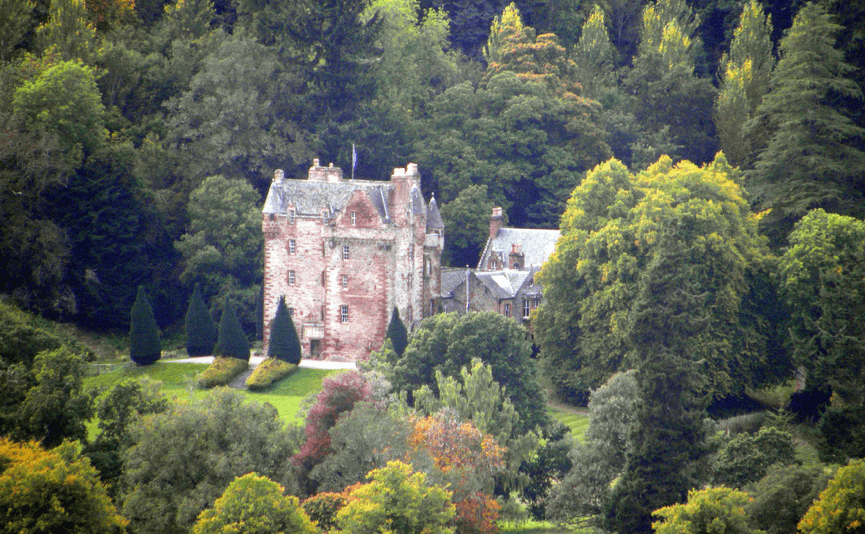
(469, 459)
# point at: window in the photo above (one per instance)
(291, 278)
(507, 310)
(345, 252)
(526, 309)
(292, 246)
(291, 216)
(345, 280)
(354, 218)
(291, 312)
(343, 313)
(409, 314)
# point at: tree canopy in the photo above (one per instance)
(610, 235)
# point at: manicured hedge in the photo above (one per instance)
(268, 372)
(222, 371)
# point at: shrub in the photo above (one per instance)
(268, 372)
(843, 430)
(746, 458)
(221, 372)
(283, 343)
(200, 329)
(781, 498)
(323, 507)
(20, 339)
(144, 345)
(232, 341)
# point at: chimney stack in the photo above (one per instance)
(495, 222)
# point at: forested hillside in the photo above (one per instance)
(139, 138)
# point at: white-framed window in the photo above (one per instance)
(291, 216)
(292, 278)
(343, 313)
(353, 218)
(345, 252)
(526, 308)
(507, 309)
(292, 246)
(345, 280)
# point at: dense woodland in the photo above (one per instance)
(704, 162)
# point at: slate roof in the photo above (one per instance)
(537, 245)
(504, 284)
(451, 279)
(311, 197)
(433, 217)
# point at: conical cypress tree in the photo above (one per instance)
(232, 341)
(397, 333)
(144, 345)
(200, 329)
(284, 343)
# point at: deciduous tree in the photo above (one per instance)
(396, 500)
(52, 491)
(840, 509)
(709, 510)
(610, 236)
(448, 342)
(467, 219)
(254, 504)
(181, 461)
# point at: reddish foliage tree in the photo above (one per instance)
(338, 395)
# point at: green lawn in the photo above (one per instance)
(577, 422)
(178, 381)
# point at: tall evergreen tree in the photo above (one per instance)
(284, 343)
(811, 159)
(745, 79)
(232, 341)
(397, 333)
(667, 439)
(200, 329)
(144, 345)
(666, 92)
(595, 56)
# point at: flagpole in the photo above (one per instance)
(353, 160)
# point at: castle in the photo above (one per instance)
(344, 253)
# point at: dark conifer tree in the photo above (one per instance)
(232, 341)
(284, 343)
(667, 439)
(144, 345)
(397, 333)
(200, 329)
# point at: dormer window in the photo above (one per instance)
(291, 216)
